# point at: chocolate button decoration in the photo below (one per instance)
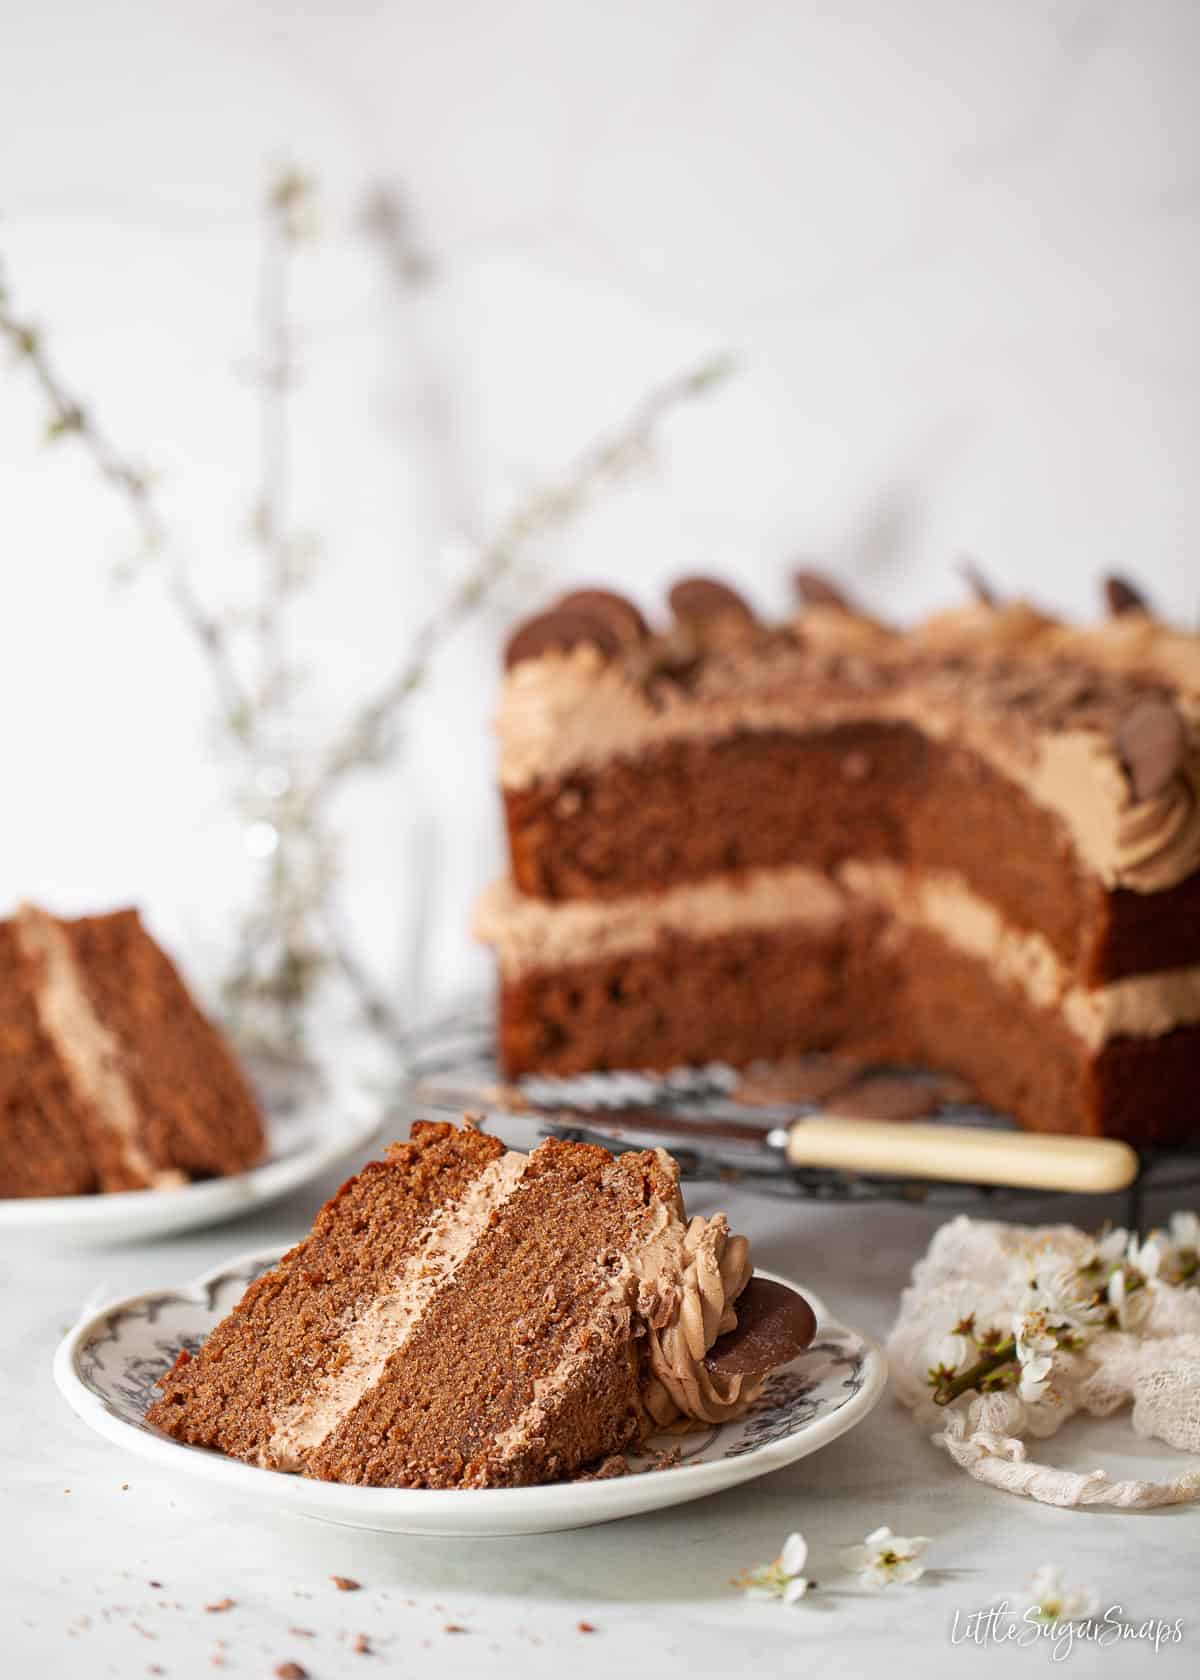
(698, 598)
(774, 1324)
(1124, 597)
(1152, 742)
(559, 629)
(816, 590)
(887, 1096)
(614, 609)
(795, 1079)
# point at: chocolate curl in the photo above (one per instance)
(1124, 597)
(1152, 742)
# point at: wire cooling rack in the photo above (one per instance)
(693, 1113)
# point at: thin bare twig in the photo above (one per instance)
(548, 509)
(70, 418)
(289, 935)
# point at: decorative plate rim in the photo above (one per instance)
(344, 1502)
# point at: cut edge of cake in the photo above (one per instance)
(112, 1078)
(463, 1315)
(735, 842)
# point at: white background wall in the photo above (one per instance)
(952, 242)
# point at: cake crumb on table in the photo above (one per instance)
(345, 1583)
(362, 1645)
(220, 1605)
(291, 1671)
(454, 1627)
(586, 1627)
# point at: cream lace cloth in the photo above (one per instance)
(982, 1267)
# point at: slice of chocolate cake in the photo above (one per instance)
(111, 1078)
(974, 845)
(462, 1315)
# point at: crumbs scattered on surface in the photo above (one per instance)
(454, 1627)
(362, 1645)
(291, 1671)
(221, 1604)
(344, 1583)
(157, 1585)
(586, 1627)
(303, 1633)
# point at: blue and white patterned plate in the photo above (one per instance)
(108, 1365)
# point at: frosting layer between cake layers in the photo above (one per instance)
(732, 842)
(532, 935)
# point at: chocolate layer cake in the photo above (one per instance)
(111, 1078)
(462, 1315)
(974, 845)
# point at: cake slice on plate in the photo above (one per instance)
(111, 1077)
(463, 1315)
(973, 845)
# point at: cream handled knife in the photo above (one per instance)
(966, 1154)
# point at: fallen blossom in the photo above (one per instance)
(784, 1578)
(885, 1559)
(1048, 1599)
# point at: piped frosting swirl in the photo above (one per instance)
(688, 1275)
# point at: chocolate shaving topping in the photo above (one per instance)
(774, 1324)
(699, 598)
(1123, 596)
(616, 611)
(816, 590)
(1152, 742)
(558, 630)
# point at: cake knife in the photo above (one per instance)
(945, 1151)
(879, 1148)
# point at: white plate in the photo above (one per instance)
(306, 1137)
(108, 1365)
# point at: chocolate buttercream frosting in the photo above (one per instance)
(1043, 703)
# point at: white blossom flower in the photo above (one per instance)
(1180, 1259)
(1184, 1230)
(884, 1558)
(953, 1351)
(1110, 1249)
(1129, 1305)
(1147, 1257)
(1035, 1378)
(1033, 1335)
(782, 1579)
(1035, 1349)
(1065, 1293)
(1051, 1600)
